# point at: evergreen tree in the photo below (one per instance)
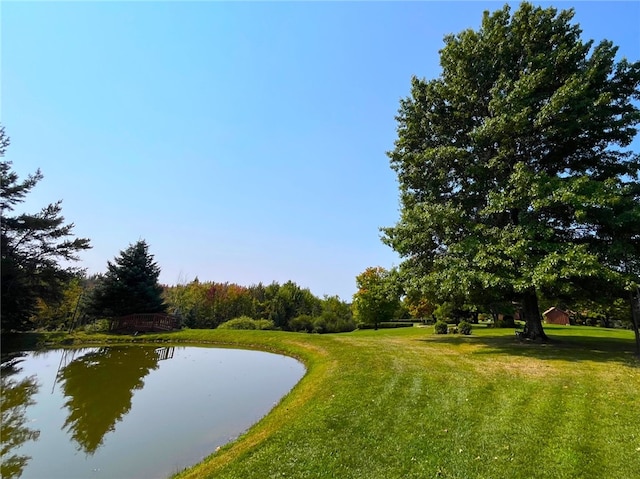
(130, 285)
(32, 247)
(513, 165)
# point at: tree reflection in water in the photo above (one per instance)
(98, 388)
(15, 397)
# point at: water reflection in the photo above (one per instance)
(98, 387)
(15, 397)
(95, 419)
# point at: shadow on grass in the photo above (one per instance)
(573, 348)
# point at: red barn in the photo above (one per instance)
(556, 316)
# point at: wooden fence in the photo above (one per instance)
(147, 322)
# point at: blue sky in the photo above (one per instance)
(245, 142)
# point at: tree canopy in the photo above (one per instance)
(513, 165)
(378, 296)
(33, 248)
(130, 285)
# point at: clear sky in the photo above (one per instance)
(245, 142)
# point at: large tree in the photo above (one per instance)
(130, 285)
(36, 249)
(514, 165)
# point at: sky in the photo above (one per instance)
(245, 142)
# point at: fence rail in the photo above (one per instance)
(147, 322)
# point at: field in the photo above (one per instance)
(406, 403)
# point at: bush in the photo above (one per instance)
(387, 325)
(509, 321)
(504, 323)
(330, 322)
(440, 327)
(302, 323)
(464, 328)
(243, 322)
(98, 326)
(264, 324)
(341, 326)
(396, 324)
(320, 325)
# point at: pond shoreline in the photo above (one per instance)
(241, 382)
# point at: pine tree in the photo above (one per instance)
(32, 247)
(130, 285)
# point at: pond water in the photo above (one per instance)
(132, 412)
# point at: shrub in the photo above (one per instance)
(98, 326)
(440, 327)
(320, 325)
(330, 322)
(387, 325)
(243, 322)
(326, 323)
(303, 323)
(464, 328)
(509, 321)
(395, 324)
(343, 326)
(264, 324)
(499, 324)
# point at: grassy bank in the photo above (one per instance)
(406, 403)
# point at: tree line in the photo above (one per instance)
(130, 286)
(287, 306)
(39, 292)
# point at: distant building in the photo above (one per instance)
(556, 316)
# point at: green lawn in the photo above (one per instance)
(406, 403)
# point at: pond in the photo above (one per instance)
(122, 412)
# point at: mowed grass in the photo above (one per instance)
(406, 403)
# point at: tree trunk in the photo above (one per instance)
(635, 317)
(494, 314)
(531, 311)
